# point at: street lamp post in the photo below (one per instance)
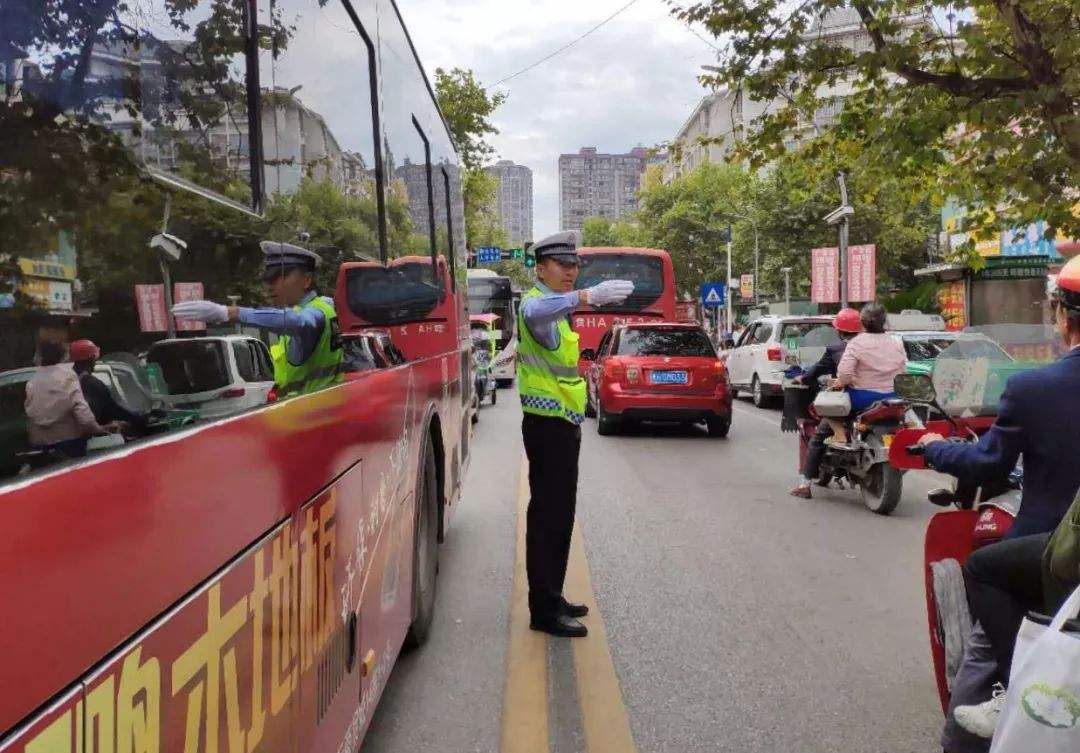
(787, 289)
(839, 216)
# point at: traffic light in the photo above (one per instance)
(530, 261)
(517, 253)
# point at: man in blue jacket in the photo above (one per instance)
(1038, 418)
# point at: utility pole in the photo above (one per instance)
(757, 299)
(727, 284)
(166, 277)
(787, 290)
(843, 241)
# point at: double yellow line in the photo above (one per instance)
(525, 718)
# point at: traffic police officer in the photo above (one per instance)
(553, 400)
(308, 354)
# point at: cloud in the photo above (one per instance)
(634, 81)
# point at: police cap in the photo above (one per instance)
(282, 257)
(560, 246)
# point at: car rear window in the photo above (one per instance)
(191, 366)
(665, 342)
(796, 334)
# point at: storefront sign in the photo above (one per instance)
(746, 286)
(150, 302)
(1028, 241)
(824, 278)
(952, 299)
(51, 294)
(188, 291)
(862, 273)
(1014, 268)
(42, 268)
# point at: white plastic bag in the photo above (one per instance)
(1042, 708)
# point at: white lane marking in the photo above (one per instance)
(755, 414)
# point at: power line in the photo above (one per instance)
(568, 45)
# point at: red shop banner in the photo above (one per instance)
(150, 302)
(188, 291)
(862, 273)
(952, 299)
(824, 277)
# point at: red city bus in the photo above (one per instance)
(653, 299)
(223, 574)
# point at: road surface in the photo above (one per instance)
(728, 616)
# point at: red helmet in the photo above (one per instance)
(848, 321)
(1067, 291)
(83, 350)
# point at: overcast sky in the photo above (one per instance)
(631, 82)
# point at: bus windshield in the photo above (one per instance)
(646, 272)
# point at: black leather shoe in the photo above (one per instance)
(574, 610)
(561, 626)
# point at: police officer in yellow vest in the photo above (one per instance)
(553, 400)
(308, 354)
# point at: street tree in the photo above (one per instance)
(600, 231)
(985, 91)
(468, 109)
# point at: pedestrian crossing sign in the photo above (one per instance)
(713, 294)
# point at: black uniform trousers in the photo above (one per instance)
(552, 446)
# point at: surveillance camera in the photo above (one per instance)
(838, 214)
(169, 245)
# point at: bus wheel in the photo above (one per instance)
(425, 550)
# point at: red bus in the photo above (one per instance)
(203, 581)
(653, 299)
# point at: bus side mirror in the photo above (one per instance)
(588, 354)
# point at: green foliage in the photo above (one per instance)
(922, 297)
(600, 231)
(985, 94)
(468, 109)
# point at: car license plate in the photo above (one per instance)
(668, 377)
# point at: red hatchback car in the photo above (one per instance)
(662, 371)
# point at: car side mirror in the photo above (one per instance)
(588, 354)
(918, 388)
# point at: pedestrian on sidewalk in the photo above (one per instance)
(553, 401)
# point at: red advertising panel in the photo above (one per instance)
(150, 301)
(824, 277)
(952, 298)
(862, 273)
(188, 291)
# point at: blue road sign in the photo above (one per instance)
(713, 294)
(488, 254)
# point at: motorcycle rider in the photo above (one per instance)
(1038, 418)
(847, 325)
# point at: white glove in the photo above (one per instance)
(609, 291)
(203, 311)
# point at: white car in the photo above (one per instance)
(757, 362)
(216, 376)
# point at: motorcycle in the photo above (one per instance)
(863, 461)
(958, 400)
(484, 384)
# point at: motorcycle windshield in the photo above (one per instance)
(809, 339)
(972, 367)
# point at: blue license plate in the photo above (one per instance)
(668, 377)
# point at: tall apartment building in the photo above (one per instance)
(515, 194)
(598, 185)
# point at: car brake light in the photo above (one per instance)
(774, 353)
(234, 392)
(271, 396)
(720, 368)
(613, 369)
(633, 373)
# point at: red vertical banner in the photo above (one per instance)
(952, 298)
(824, 275)
(150, 302)
(188, 291)
(862, 273)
